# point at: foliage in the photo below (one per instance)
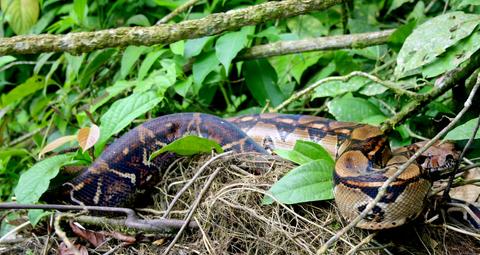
(48, 96)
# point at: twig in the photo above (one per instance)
(388, 84)
(24, 137)
(193, 208)
(362, 40)
(363, 242)
(132, 220)
(60, 233)
(177, 11)
(192, 180)
(446, 195)
(382, 190)
(463, 231)
(15, 63)
(443, 84)
(14, 230)
(79, 42)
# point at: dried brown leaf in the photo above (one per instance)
(88, 136)
(56, 143)
(64, 250)
(95, 238)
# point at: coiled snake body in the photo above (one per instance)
(363, 161)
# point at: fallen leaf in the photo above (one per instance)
(95, 238)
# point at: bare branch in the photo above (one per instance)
(362, 40)
(80, 42)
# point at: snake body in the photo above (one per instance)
(363, 161)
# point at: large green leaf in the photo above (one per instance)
(230, 44)
(194, 47)
(432, 38)
(148, 63)
(34, 182)
(350, 108)
(261, 80)
(21, 14)
(189, 145)
(129, 58)
(310, 182)
(123, 112)
(454, 56)
(205, 64)
(464, 131)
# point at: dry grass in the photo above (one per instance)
(232, 219)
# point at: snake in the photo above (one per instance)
(363, 161)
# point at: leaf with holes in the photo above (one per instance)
(34, 182)
(309, 182)
(88, 136)
(454, 56)
(463, 132)
(432, 38)
(56, 143)
(189, 145)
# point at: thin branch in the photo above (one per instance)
(382, 190)
(443, 84)
(362, 243)
(80, 42)
(388, 84)
(132, 220)
(446, 195)
(193, 208)
(362, 40)
(177, 11)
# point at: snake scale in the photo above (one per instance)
(364, 161)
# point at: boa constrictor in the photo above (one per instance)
(363, 161)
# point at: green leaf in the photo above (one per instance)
(350, 108)
(293, 156)
(205, 64)
(305, 26)
(21, 14)
(178, 48)
(261, 80)
(454, 56)
(397, 3)
(35, 215)
(129, 58)
(34, 182)
(294, 65)
(123, 112)
(463, 132)
(148, 62)
(310, 182)
(230, 44)
(138, 20)
(112, 91)
(9, 152)
(313, 150)
(335, 88)
(80, 11)
(6, 59)
(189, 145)
(30, 86)
(95, 61)
(432, 38)
(194, 47)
